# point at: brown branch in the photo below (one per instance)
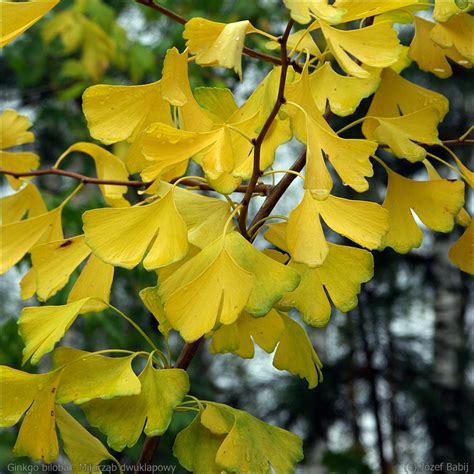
(263, 132)
(247, 51)
(260, 188)
(151, 444)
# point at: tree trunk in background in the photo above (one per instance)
(447, 423)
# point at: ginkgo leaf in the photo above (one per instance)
(251, 445)
(350, 157)
(204, 216)
(41, 327)
(402, 134)
(340, 277)
(305, 11)
(34, 394)
(462, 251)
(150, 411)
(217, 44)
(238, 337)
(116, 113)
(121, 236)
(357, 9)
(219, 102)
(343, 93)
(436, 203)
(176, 90)
(19, 237)
(27, 202)
(429, 55)
(85, 452)
(196, 448)
(14, 128)
(396, 96)
(94, 282)
(457, 33)
(54, 263)
(113, 376)
(108, 167)
(363, 222)
(20, 162)
(28, 284)
(272, 279)
(376, 45)
(152, 301)
(17, 17)
(445, 9)
(209, 289)
(463, 218)
(305, 236)
(296, 354)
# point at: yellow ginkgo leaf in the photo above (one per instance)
(20, 162)
(396, 96)
(305, 236)
(350, 157)
(271, 278)
(457, 33)
(150, 411)
(27, 202)
(41, 327)
(208, 290)
(176, 90)
(196, 448)
(94, 282)
(152, 301)
(116, 113)
(113, 376)
(17, 17)
(463, 218)
(121, 236)
(54, 263)
(204, 216)
(108, 167)
(402, 134)
(296, 354)
(376, 45)
(436, 203)
(343, 93)
(34, 394)
(462, 252)
(363, 222)
(340, 277)
(217, 44)
(305, 11)
(429, 55)
(166, 146)
(28, 284)
(85, 452)
(238, 337)
(219, 102)
(211, 278)
(357, 9)
(250, 445)
(445, 9)
(14, 129)
(19, 237)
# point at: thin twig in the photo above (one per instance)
(263, 132)
(151, 443)
(260, 188)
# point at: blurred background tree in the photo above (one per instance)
(398, 370)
